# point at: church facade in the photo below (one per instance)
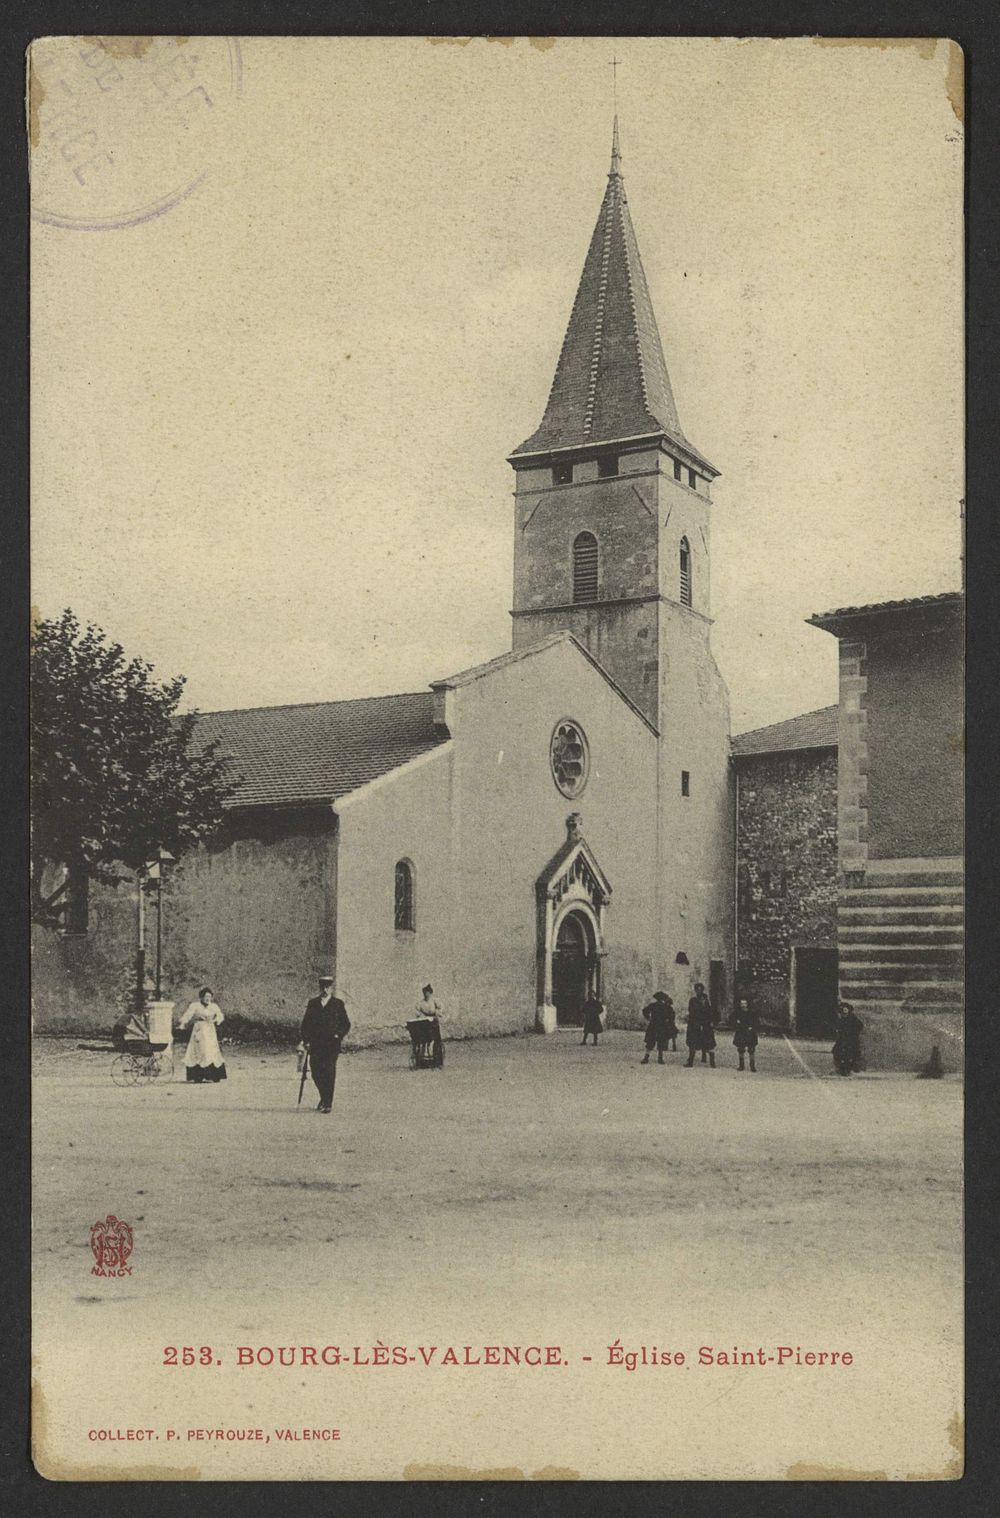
(555, 823)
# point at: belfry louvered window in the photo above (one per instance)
(685, 567)
(405, 916)
(585, 567)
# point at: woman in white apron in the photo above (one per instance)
(203, 1059)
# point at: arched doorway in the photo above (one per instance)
(573, 894)
(575, 968)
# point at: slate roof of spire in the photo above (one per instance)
(611, 381)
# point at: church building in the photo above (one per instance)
(553, 823)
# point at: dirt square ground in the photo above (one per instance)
(534, 1195)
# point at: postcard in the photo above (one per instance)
(497, 658)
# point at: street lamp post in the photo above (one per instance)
(159, 931)
(156, 871)
(152, 872)
(140, 954)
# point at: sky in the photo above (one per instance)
(270, 423)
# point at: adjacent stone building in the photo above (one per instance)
(901, 726)
(785, 779)
(849, 840)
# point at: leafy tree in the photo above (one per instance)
(116, 773)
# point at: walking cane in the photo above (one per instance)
(302, 1082)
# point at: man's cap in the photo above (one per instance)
(326, 980)
(662, 996)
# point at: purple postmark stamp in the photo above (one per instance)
(122, 129)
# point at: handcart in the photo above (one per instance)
(425, 1044)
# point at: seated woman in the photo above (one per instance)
(203, 1058)
(429, 1010)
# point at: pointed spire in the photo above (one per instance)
(611, 381)
(616, 157)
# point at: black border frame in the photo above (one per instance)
(975, 27)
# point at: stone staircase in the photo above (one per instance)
(901, 937)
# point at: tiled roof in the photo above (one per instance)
(611, 381)
(946, 597)
(312, 754)
(315, 754)
(811, 730)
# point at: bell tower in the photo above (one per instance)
(612, 500)
(612, 543)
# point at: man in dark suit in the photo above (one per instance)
(324, 1027)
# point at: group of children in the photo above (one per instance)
(662, 1033)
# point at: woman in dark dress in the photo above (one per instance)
(593, 1018)
(700, 1028)
(745, 1033)
(847, 1047)
(661, 1026)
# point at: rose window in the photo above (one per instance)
(569, 758)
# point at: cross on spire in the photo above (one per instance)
(616, 161)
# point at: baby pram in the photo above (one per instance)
(144, 1044)
(425, 1044)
